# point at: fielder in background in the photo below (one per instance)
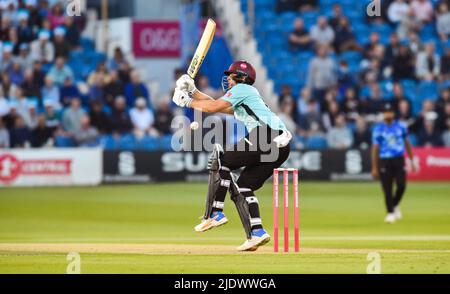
(264, 129)
(389, 141)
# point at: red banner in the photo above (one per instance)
(432, 164)
(156, 39)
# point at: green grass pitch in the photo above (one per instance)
(149, 229)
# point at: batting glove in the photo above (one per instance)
(187, 84)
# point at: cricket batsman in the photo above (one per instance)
(389, 141)
(264, 128)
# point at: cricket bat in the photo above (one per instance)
(202, 48)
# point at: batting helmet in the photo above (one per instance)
(242, 68)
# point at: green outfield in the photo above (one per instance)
(149, 229)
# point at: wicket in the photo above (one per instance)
(285, 172)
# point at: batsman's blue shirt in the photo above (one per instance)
(249, 107)
(390, 139)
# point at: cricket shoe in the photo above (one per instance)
(259, 238)
(397, 213)
(390, 218)
(216, 219)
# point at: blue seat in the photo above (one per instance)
(428, 90)
(128, 142)
(413, 140)
(316, 142)
(108, 142)
(148, 143)
(64, 142)
(165, 143)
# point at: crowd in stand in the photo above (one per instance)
(42, 102)
(339, 105)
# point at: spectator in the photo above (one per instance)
(52, 117)
(321, 73)
(374, 41)
(100, 72)
(21, 104)
(345, 40)
(205, 87)
(120, 119)
(20, 135)
(403, 64)
(72, 32)
(392, 48)
(7, 59)
(136, 89)
(87, 135)
(446, 134)
(24, 58)
(8, 88)
(114, 88)
(429, 136)
(96, 91)
(322, 33)
(98, 118)
(408, 24)
(142, 118)
(118, 60)
(311, 122)
(287, 110)
(42, 50)
(61, 44)
(397, 10)
(286, 93)
(445, 64)
(163, 119)
(50, 92)
(4, 105)
(362, 135)
(428, 63)
(32, 117)
(333, 110)
(15, 73)
(340, 136)
(337, 14)
(42, 134)
(428, 108)
(303, 102)
(30, 87)
(443, 100)
(68, 91)
(60, 72)
(423, 10)
(443, 21)
(24, 31)
(350, 105)
(404, 113)
(299, 38)
(38, 73)
(4, 135)
(288, 5)
(72, 117)
(56, 15)
(398, 95)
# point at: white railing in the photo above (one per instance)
(243, 45)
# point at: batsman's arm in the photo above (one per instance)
(374, 158)
(206, 103)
